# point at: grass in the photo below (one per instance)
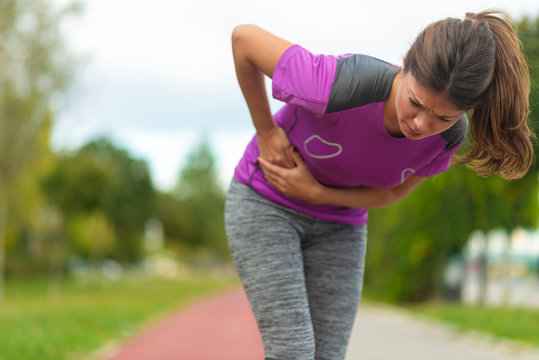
(518, 324)
(87, 316)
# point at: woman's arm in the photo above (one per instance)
(366, 197)
(256, 53)
(299, 183)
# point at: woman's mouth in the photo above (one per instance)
(412, 132)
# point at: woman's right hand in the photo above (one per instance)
(275, 147)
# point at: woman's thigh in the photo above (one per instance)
(265, 247)
(334, 266)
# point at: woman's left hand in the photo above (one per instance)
(297, 182)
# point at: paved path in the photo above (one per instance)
(223, 328)
(217, 328)
(382, 333)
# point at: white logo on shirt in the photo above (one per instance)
(403, 174)
(333, 149)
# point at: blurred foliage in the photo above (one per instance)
(515, 323)
(529, 34)
(35, 70)
(100, 188)
(95, 202)
(92, 235)
(192, 214)
(411, 241)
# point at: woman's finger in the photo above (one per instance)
(296, 157)
(272, 174)
(264, 165)
(274, 181)
(269, 167)
(274, 177)
(288, 158)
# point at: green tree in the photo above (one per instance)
(193, 213)
(35, 68)
(27, 240)
(92, 236)
(101, 180)
(411, 241)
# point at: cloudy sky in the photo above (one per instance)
(159, 75)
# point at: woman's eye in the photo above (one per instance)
(413, 102)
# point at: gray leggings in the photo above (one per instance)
(302, 275)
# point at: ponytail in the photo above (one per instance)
(477, 63)
(501, 136)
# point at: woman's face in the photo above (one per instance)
(422, 112)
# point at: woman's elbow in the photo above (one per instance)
(240, 32)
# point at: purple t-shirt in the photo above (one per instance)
(334, 116)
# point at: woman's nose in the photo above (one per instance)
(421, 122)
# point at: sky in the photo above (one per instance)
(157, 76)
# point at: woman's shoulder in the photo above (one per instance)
(455, 135)
(327, 84)
(360, 80)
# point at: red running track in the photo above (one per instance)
(221, 327)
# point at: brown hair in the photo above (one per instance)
(478, 64)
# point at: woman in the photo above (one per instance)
(357, 133)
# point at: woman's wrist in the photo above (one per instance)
(318, 194)
(264, 127)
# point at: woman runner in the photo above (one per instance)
(355, 133)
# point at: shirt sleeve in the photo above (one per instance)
(301, 78)
(454, 137)
(439, 164)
